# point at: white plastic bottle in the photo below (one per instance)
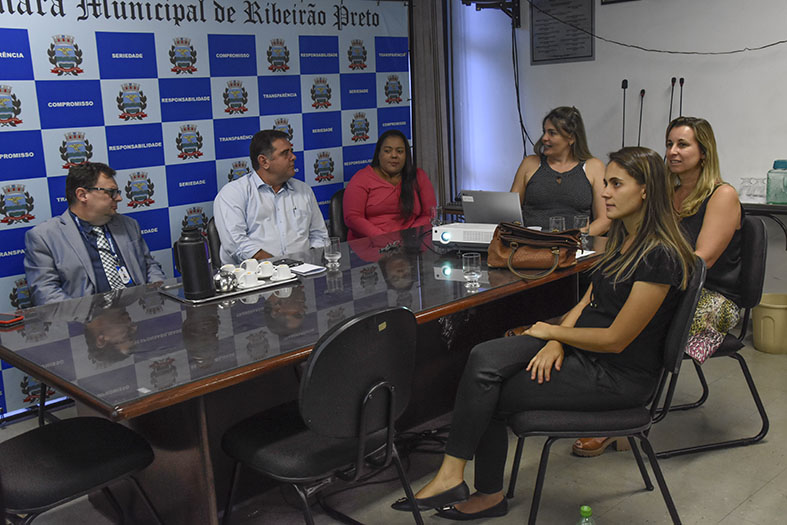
(586, 514)
(777, 183)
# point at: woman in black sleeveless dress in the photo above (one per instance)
(562, 178)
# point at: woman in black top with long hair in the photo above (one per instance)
(605, 354)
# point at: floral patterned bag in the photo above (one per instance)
(715, 316)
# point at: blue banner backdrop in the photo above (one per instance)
(169, 94)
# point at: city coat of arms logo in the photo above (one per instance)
(357, 55)
(139, 190)
(393, 90)
(323, 167)
(16, 204)
(182, 56)
(163, 373)
(257, 345)
(131, 102)
(65, 55)
(76, 149)
(196, 217)
(283, 125)
(32, 391)
(239, 169)
(235, 98)
(189, 142)
(10, 107)
(278, 55)
(360, 127)
(21, 296)
(369, 277)
(321, 93)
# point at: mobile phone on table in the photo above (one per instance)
(288, 262)
(10, 319)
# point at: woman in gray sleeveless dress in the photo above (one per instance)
(562, 178)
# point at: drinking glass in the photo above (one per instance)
(582, 223)
(332, 252)
(436, 214)
(557, 224)
(471, 268)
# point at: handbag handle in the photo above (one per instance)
(515, 246)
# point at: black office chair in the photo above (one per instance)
(214, 244)
(753, 253)
(336, 216)
(51, 465)
(356, 384)
(558, 424)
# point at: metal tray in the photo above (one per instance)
(175, 291)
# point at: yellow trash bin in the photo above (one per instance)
(769, 322)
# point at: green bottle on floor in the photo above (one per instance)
(586, 514)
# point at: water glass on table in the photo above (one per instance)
(436, 215)
(471, 268)
(557, 224)
(332, 252)
(582, 223)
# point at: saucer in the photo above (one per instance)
(274, 279)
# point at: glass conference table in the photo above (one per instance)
(182, 374)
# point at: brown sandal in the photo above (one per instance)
(592, 447)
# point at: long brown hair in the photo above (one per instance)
(659, 223)
(568, 121)
(710, 172)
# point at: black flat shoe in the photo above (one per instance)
(459, 493)
(452, 513)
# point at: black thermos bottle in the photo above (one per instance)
(191, 260)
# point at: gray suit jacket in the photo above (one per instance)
(57, 264)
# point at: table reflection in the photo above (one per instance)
(121, 347)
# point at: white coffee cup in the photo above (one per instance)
(246, 278)
(250, 265)
(265, 269)
(227, 268)
(281, 272)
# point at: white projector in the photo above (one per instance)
(474, 235)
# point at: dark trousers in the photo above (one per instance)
(495, 385)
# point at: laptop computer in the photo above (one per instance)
(491, 207)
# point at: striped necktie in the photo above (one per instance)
(107, 259)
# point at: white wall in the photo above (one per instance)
(742, 95)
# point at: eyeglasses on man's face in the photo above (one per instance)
(112, 192)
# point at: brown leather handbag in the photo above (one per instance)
(518, 248)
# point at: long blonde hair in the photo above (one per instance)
(710, 172)
(659, 223)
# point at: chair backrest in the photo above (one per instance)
(336, 216)
(214, 244)
(753, 253)
(678, 333)
(349, 360)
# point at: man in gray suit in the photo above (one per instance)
(90, 248)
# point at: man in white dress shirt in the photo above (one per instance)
(268, 213)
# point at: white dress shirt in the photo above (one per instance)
(250, 216)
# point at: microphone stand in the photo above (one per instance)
(641, 104)
(624, 85)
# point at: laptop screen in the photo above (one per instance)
(491, 207)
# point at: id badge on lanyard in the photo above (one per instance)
(121, 269)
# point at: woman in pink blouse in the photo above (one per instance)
(389, 195)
